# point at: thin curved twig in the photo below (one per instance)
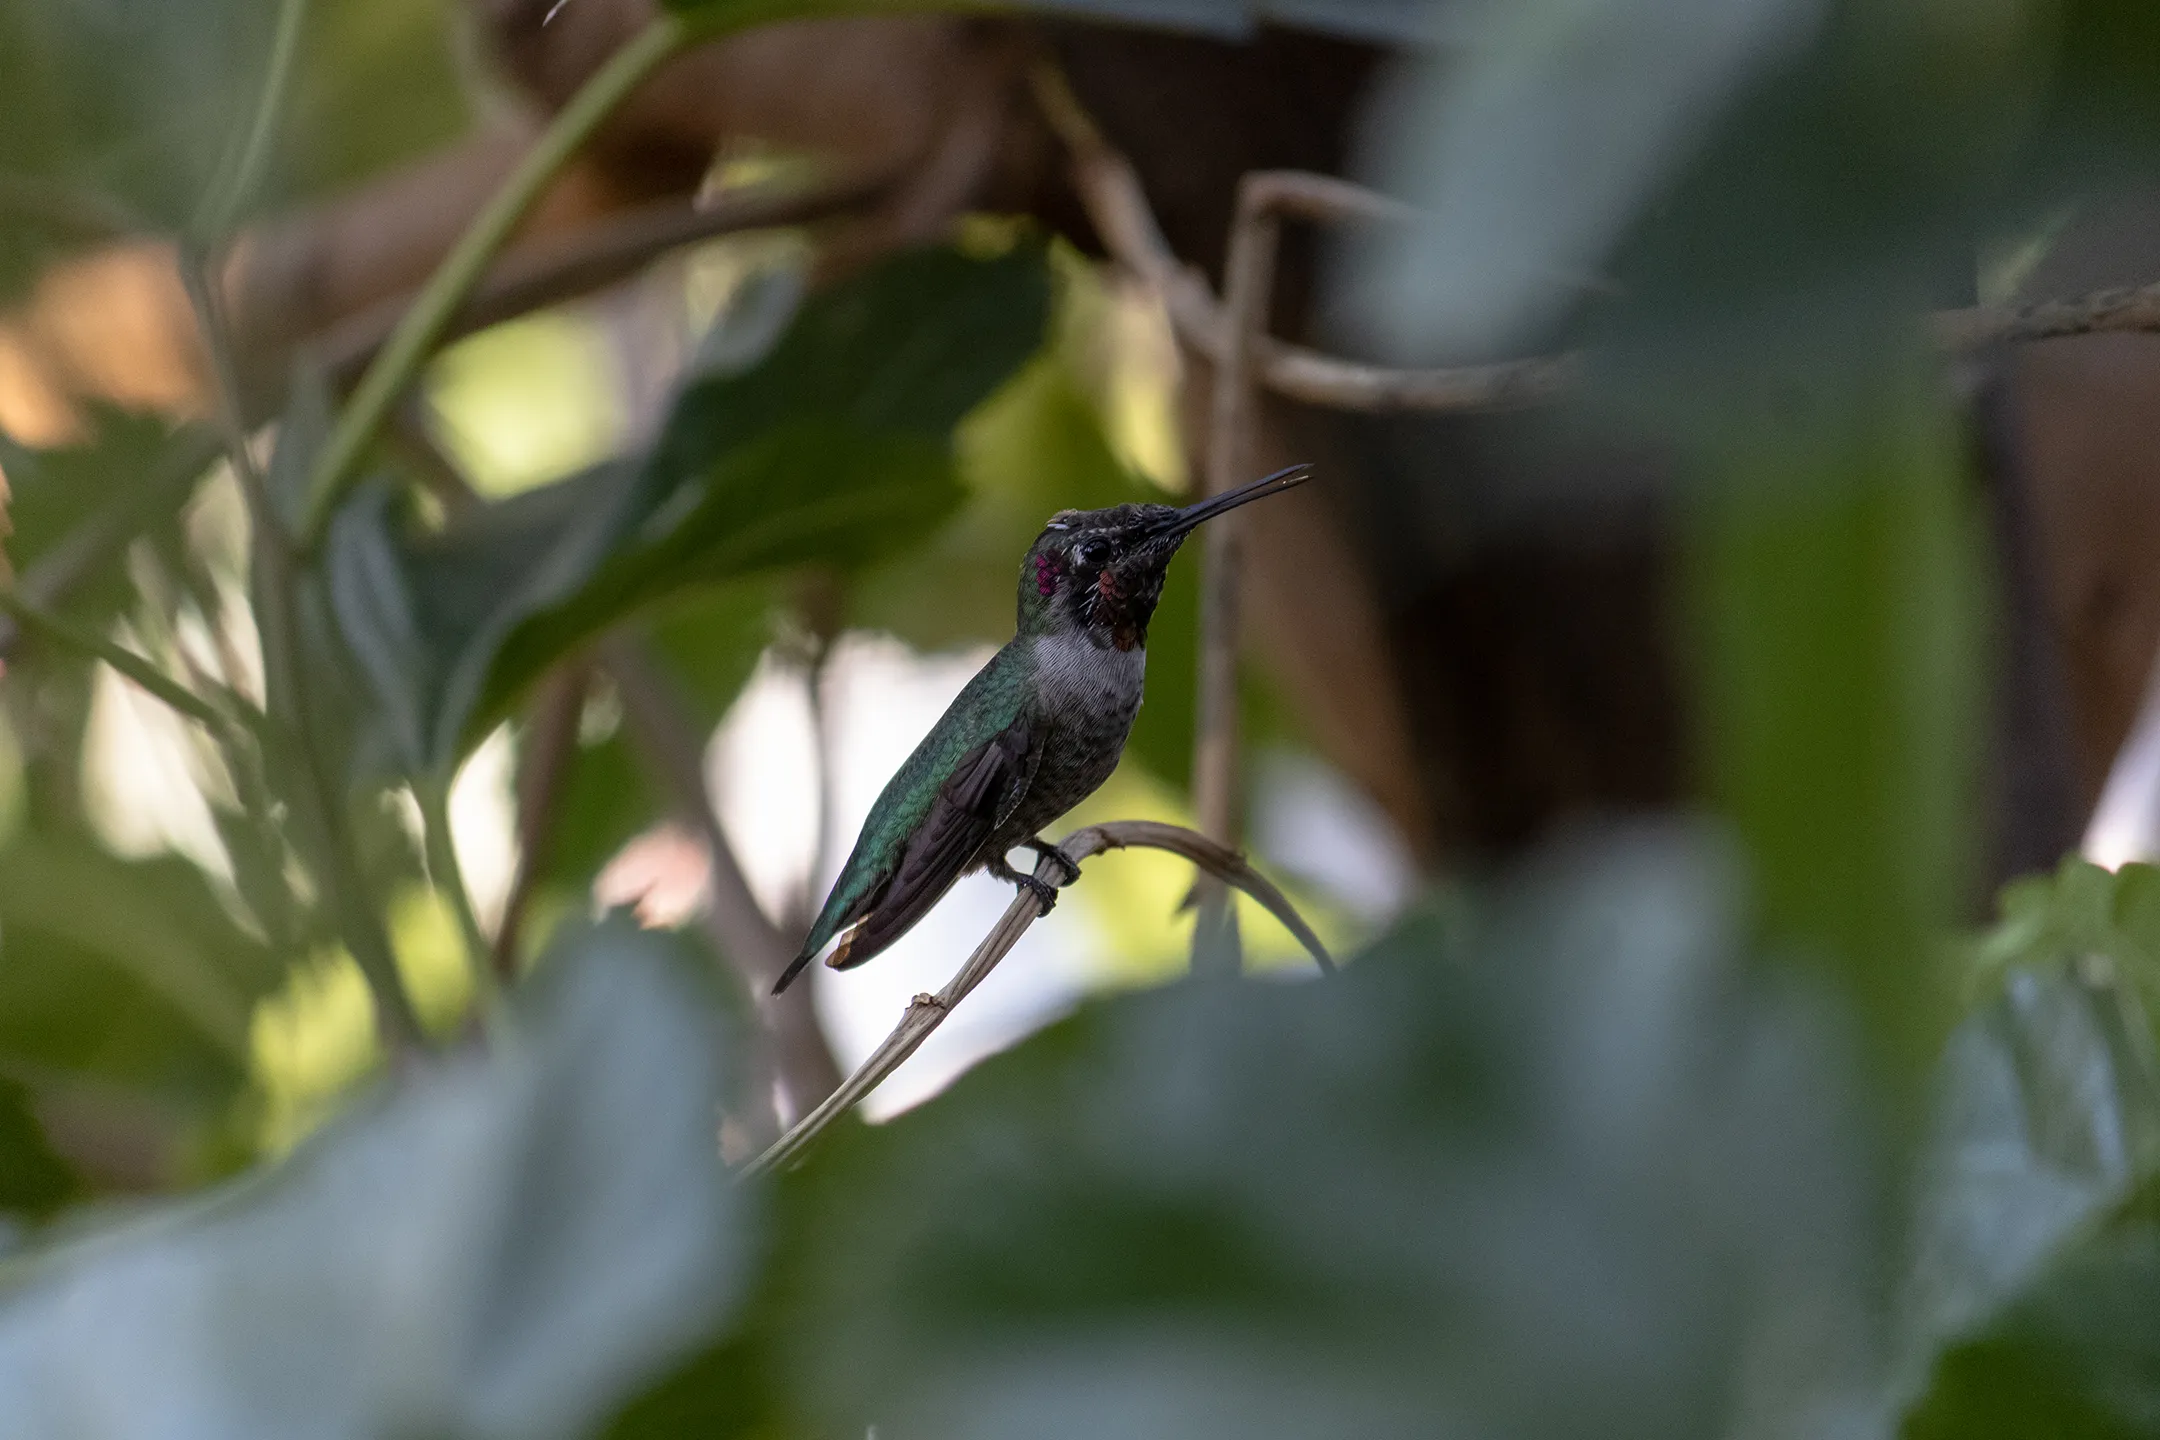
(926, 1012)
(147, 676)
(422, 325)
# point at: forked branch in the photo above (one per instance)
(926, 1012)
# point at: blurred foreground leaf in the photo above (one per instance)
(126, 990)
(835, 446)
(2079, 912)
(77, 506)
(1566, 1169)
(498, 1246)
(1532, 150)
(2034, 1301)
(2077, 1355)
(1834, 559)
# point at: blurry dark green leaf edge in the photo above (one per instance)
(1292, 1211)
(498, 1244)
(1564, 1157)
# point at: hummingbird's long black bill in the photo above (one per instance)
(1287, 478)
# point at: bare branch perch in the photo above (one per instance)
(2101, 312)
(926, 1012)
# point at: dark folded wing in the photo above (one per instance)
(983, 789)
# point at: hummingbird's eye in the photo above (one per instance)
(1089, 554)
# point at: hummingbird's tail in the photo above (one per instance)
(795, 967)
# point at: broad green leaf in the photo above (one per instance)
(728, 1391)
(2048, 1120)
(117, 112)
(2034, 1273)
(505, 1244)
(2078, 1353)
(808, 489)
(378, 617)
(1560, 1168)
(833, 447)
(130, 969)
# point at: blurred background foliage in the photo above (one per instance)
(1744, 1031)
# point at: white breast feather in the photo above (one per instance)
(1074, 676)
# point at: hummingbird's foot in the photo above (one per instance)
(1044, 850)
(1044, 892)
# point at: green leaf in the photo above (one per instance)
(1560, 1169)
(1834, 561)
(78, 506)
(2049, 1120)
(507, 1244)
(378, 617)
(808, 489)
(2079, 1357)
(2080, 912)
(119, 116)
(117, 110)
(34, 1180)
(834, 447)
(126, 993)
(2037, 1270)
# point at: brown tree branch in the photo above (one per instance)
(926, 1012)
(555, 268)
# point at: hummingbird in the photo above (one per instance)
(1034, 733)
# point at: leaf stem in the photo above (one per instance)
(127, 662)
(237, 181)
(438, 301)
